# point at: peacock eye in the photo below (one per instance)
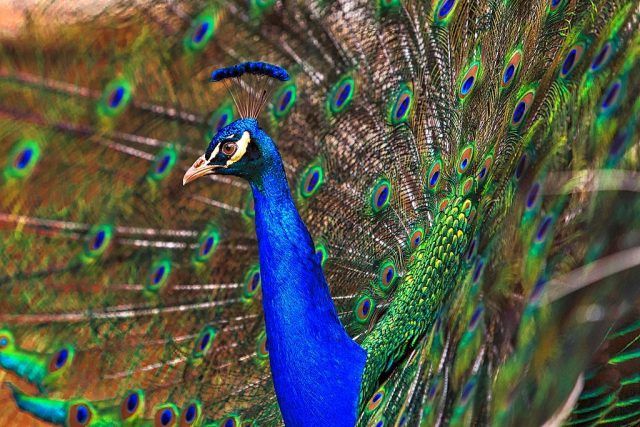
(229, 148)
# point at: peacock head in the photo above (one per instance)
(241, 148)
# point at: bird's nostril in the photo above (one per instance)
(199, 163)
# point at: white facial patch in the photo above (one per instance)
(214, 153)
(243, 143)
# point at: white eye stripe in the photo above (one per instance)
(214, 153)
(242, 143)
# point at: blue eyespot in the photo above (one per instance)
(207, 243)
(403, 107)
(402, 421)
(166, 417)
(537, 290)
(467, 85)
(284, 102)
(162, 166)
(255, 280)
(311, 180)
(416, 238)
(252, 282)
(618, 141)
(519, 112)
(532, 197)
(466, 391)
(79, 415)
(82, 414)
(200, 32)
(116, 97)
(387, 275)
(62, 358)
(522, 107)
(445, 8)
(376, 400)
(364, 309)
(284, 99)
(205, 341)
(508, 74)
(465, 159)
(219, 119)
(98, 240)
(23, 158)
(132, 405)
(469, 79)
(522, 166)
(262, 348)
(132, 402)
(572, 59)
(432, 391)
(477, 270)
(567, 65)
(602, 58)
(434, 174)
(554, 5)
(544, 228)
(381, 195)
(511, 68)
(401, 104)
(158, 275)
(475, 317)
(472, 249)
(230, 422)
(486, 167)
(366, 305)
(224, 118)
(163, 163)
(341, 94)
(190, 414)
(611, 96)
(434, 178)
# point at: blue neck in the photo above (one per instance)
(317, 368)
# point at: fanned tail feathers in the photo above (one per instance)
(116, 281)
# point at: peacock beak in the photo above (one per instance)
(199, 169)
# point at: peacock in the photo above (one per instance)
(320, 212)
